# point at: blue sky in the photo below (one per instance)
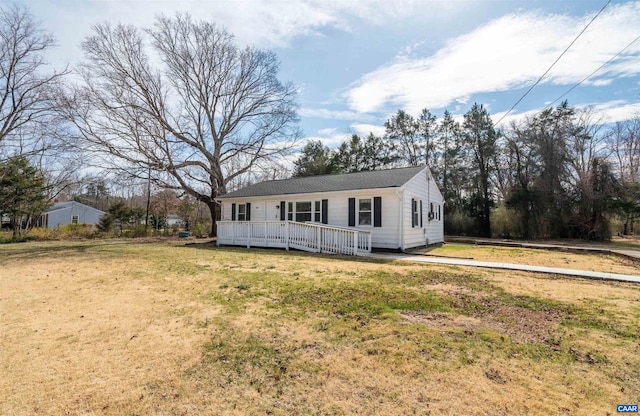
(358, 62)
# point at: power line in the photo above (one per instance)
(554, 63)
(594, 72)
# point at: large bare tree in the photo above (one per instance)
(27, 84)
(30, 125)
(182, 100)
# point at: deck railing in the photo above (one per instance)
(313, 237)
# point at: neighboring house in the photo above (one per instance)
(70, 212)
(388, 209)
(174, 219)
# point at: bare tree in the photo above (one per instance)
(26, 87)
(183, 100)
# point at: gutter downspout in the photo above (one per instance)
(426, 237)
(400, 194)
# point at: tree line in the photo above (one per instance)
(559, 173)
(179, 107)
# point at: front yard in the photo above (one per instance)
(118, 327)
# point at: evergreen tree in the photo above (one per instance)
(316, 159)
(401, 132)
(23, 193)
(480, 141)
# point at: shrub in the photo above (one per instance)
(201, 228)
(137, 231)
(504, 223)
(68, 231)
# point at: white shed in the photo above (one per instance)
(351, 213)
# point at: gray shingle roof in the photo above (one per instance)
(391, 178)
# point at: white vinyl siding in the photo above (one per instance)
(432, 232)
(386, 236)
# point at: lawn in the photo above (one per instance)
(538, 257)
(117, 327)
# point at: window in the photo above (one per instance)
(317, 211)
(415, 215)
(364, 211)
(435, 212)
(290, 211)
(303, 211)
(242, 212)
(75, 219)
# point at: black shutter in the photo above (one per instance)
(439, 217)
(377, 211)
(233, 212)
(248, 212)
(352, 212)
(283, 211)
(421, 213)
(413, 210)
(325, 211)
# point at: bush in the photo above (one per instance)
(68, 231)
(504, 223)
(201, 228)
(137, 231)
(457, 223)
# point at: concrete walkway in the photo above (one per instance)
(509, 266)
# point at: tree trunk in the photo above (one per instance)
(215, 210)
(625, 227)
(17, 226)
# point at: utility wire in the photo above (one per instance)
(554, 63)
(594, 72)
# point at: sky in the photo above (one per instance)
(357, 62)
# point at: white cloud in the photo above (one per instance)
(604, 112)
(331, 141)
(363, 130)
(613, 111)
(334, 114)
(509, 52)
(326, 132)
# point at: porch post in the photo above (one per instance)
(286, 232)
(248, 234)
(355, 243)
(319, 239)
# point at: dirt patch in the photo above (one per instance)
(520, 324)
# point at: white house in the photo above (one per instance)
(352, 213)
(69, 212)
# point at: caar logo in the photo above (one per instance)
(627, 408)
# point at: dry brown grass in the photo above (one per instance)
(538, 257)
(122, 328)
